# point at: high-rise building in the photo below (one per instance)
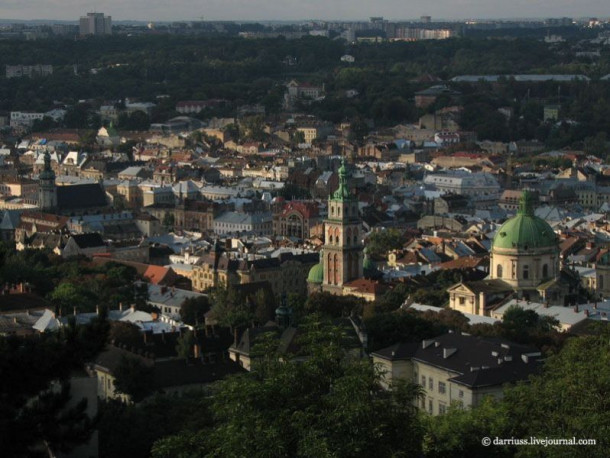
(95, 24)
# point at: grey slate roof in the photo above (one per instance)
(476, 361)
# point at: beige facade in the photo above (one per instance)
(284, 276)
(524, 269)
(447, 376)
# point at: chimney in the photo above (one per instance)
(97, 309)
(196, 351)
(586, 313)
(447, 352)
(121, 306)
(427, 343)
(74, 311)
(576, 308)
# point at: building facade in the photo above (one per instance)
(95, 24)
(342, 256)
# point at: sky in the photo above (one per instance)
(171, 10)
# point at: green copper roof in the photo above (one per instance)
(525, 230)
(316, 274)
(343, 192)
(112, 132)
(367, 263)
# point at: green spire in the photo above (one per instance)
(342, 192)
(526, 204)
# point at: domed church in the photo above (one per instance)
(524, 264)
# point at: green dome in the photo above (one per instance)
(525, 231)
(316, 274)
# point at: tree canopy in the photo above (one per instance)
(327, 405)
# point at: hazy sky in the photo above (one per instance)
(167, 10)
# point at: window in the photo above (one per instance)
(462, 300)
(430, 383)
(526, 272)
(423, 381)
(442, 408)
(430, 406)
(499, 271)
(460, 394)
(545, 271)
(441, 387)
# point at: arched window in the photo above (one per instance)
(526, 272)
(330, 269)
(499, 271)
(545, 271)
(332, 210)
(336, 269)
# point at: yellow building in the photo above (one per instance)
(457, 367)
(286, 273)
(524, 263)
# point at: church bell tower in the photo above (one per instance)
(47, 194)
(342, 252)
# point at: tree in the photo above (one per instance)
(193, 309)
(379, 243)
(34, 389)
(458, 433)
(138, 120)
(168, 221)
(129, 430)
(298, 137)
(333, 306)
(527, 327)
(264, 305)
(133, 377)
(67, 295)
(185, 344)
(566, 400)
(388, 328)
(230, 308)
(327, 405)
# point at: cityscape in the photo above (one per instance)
(318, 238)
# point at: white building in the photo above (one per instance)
(464, 183)
(95, 24)
(24, 119)
(238, 223)
(457, 368)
